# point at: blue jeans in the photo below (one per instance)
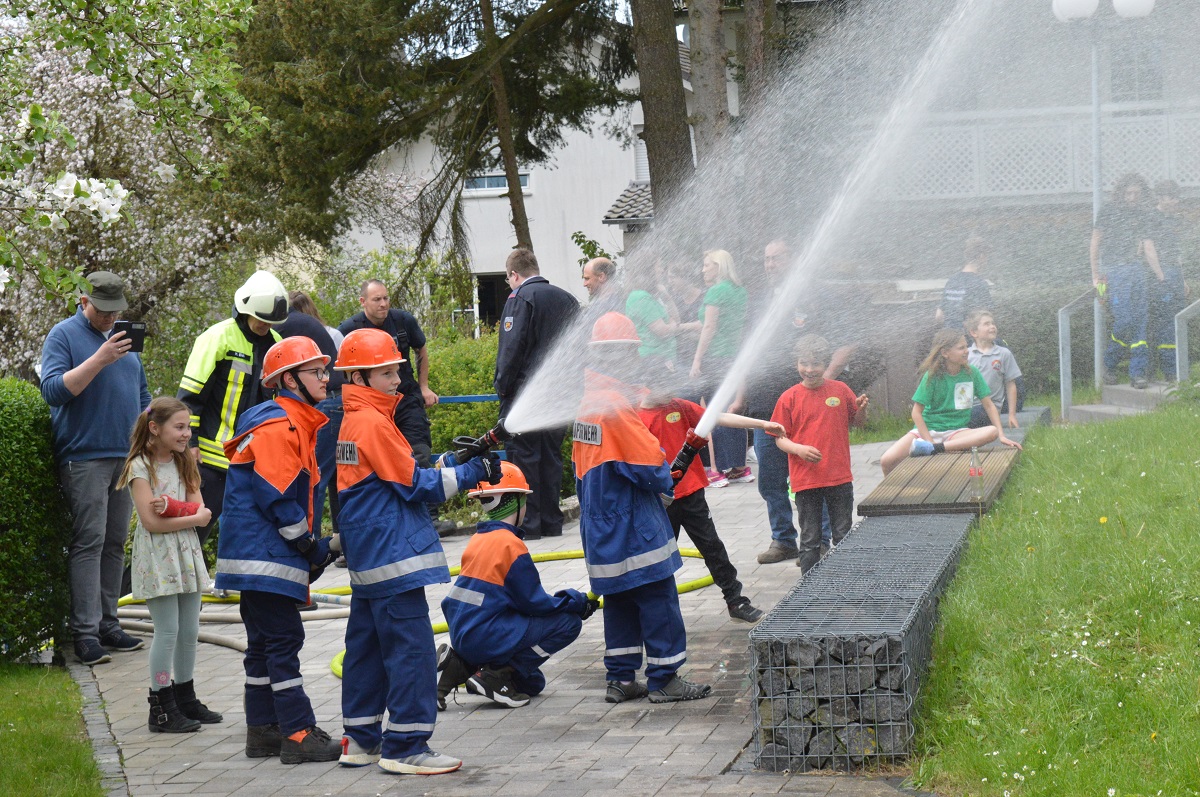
(773, 487)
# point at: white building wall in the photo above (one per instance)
(570, 192)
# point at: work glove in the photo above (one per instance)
(490, 461)
(576, 600)
(593, 603)
(316, 551)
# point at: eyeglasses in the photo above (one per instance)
(320, 373)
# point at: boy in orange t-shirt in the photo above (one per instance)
(816, 415)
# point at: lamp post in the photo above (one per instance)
(1067, 11)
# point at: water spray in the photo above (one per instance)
(897, 125)
(692, 446)
(467, 447)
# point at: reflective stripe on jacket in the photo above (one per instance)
(495, 594)
(387, 535)
(269, 498)
(620, 472)
(220, 382)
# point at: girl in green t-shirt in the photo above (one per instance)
(942, 405)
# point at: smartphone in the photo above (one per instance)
(135, 331)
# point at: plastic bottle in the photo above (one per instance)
(976, 474)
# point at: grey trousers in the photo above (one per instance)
(96, 558)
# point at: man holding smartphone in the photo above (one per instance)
(95, 388)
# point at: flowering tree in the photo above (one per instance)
(165, 62)
(149, 220)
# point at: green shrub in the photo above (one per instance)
(462, 366)
(35, 528)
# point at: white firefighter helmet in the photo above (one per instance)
(262, 296)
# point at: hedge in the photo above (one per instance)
(461, 366)
(35, 528)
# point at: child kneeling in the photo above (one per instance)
(942, 405)
(501, 619)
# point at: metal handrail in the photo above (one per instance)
(1064, 344)
(1182, 365)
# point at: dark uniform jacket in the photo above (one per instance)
(410, 412)
(534, 316)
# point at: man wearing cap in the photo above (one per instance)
(95, 388)
(222, 379)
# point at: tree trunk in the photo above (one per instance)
(758, 55)
(664, 107)
(504, 134)
(710, 100)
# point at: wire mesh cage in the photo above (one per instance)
(838, 663)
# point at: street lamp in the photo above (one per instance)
(1067, 11)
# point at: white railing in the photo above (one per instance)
(1182, 361)
(1064, 345)
(1046, 152)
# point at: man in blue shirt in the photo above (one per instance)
(95, 388)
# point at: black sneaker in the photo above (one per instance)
(314, 745)
(678, 689)
(117, 640)
(497, 685)
(453, 672)
(745, 612)
(91, 653)
(618, 692)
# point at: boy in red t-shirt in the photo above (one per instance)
(669, 420)
(816, 416)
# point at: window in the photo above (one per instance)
(493, 182)
(1137, 70)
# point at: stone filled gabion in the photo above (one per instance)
(831, 703)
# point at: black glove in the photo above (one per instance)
(316, 551)
(490, 461)
(590, 607)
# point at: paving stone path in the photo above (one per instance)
(566, 743)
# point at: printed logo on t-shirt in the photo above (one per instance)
(996, 364)
(508, 324)
(833, 401)
(673, 417)
(964, 395)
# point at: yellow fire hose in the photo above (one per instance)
(328, 614)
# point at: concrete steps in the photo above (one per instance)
(1119, 401)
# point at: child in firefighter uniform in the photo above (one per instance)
(268, 552)
(392, 552)
(621, 476)
(500, 617)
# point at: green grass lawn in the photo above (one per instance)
(46, 751)
(1066, 659)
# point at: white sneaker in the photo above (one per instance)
(426, 763)
(355, 755)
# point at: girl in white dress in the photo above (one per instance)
(168, 563)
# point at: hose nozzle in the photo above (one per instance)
(683, 460)
(467, 447)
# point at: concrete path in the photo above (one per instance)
(566, 743)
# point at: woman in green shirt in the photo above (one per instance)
(652, 312)
(722, 316)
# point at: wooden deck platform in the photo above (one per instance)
(940, 484)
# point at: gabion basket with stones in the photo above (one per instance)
(837, 664)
